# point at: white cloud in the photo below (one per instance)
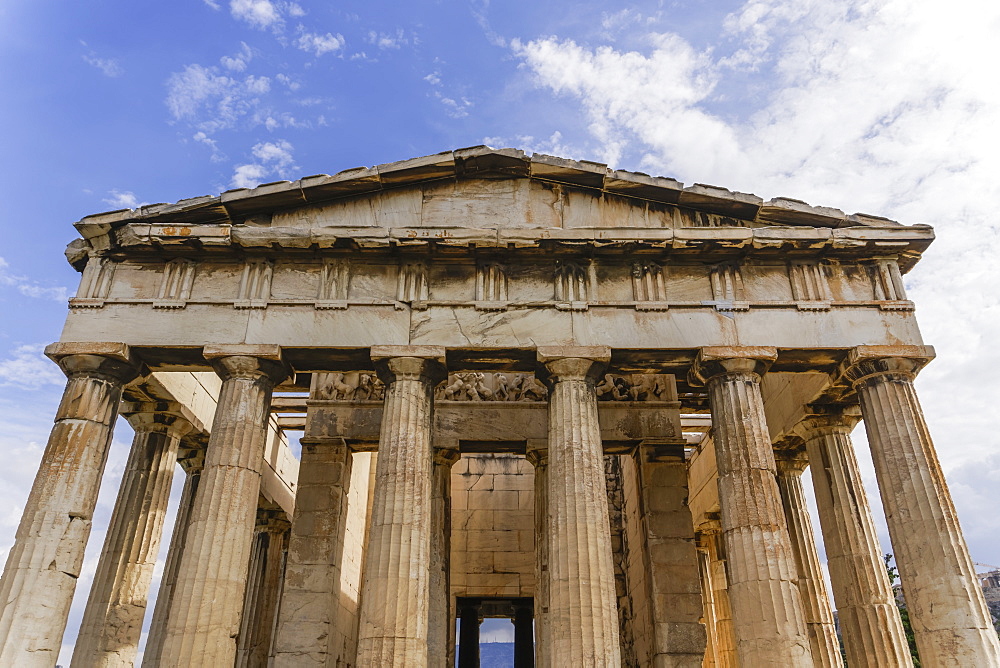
(258, 13)
(213, 4)
(29, 287)
(122, 199)
(238, 61)
(273, 158)
(109, 66)
(213, 101)
(27, 367)
(319, 44)
(384, 40)
(202, 138)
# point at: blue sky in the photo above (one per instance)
(881, 106)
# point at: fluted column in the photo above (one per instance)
(395, 591)
(708, 605)
(440, 630)
(951, 624)
(725, 635)
(583, 609)
(763, 592)
(43, 565)
(812, 587)
(263, 589)
(538, 456)
(204, 618)
(869, 620)
(192, 463)
(112, 620)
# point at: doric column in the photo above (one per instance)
(44, 563)
(524, 651)
(395, 590)
(440, 629)
(204, 618)
(468, 635)
(725, 635)
(538, 456)
(951, 624)
(673, 579)
(263, 590)
(708, 604)
(812, 588)
(767, 609)
(112, 621)
(193, 462)
(310, 597)
(583, 609)
(869, 620)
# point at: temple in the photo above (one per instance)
(530, 388)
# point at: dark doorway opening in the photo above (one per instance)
(472, 611)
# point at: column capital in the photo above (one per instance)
(250, 361)
(426, 363)
(537, 452)
(447, 455)
(191, 459)
(109, 359)
(790, 462)
(162, 416)
(827, 419)
(713, 361)
(864, 363)
(559, 363)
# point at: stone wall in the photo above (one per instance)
(492, 536)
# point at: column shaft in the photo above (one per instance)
(583, 609)
(204, 618)
(869, 620)
(524, 651)
(951, 624)
(395, 590)
(725, 634)
(112, 621)
(812, 587)
(263, 590)
(708, 614)
(311, 596)
(674, 579)
(538, 456)
(178, 538)
(440, 641)
(767, 608)
(468, 639)
(43, 565)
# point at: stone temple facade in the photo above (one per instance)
(531, 388)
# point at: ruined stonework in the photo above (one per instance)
(526, 387)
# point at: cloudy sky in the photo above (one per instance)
(885, 107)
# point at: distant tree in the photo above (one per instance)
(904, 614)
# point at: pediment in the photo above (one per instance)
(514, 189)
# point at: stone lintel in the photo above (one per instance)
(716, 360)
(264, 351)
(655, 450)
(865, 361)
